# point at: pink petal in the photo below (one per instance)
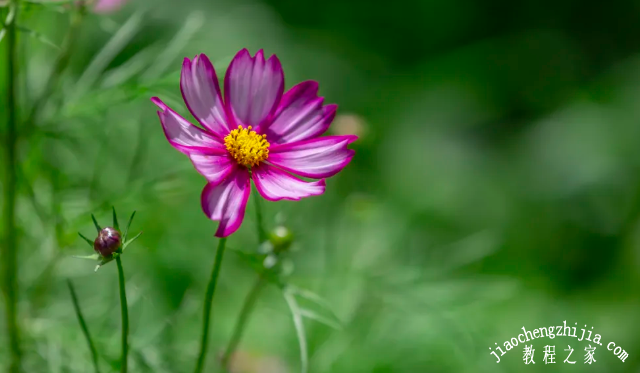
(253, 88)
(274, 184)
(300, 115)
(315, 158)
(200, 90)
(227, 201)
(107, 6)
(214, 167)
(183, 135)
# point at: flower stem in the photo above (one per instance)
(247, 307)
(125, 316)
(211, 288)
(83, 325)
(262, 235)
(251, 298)
(10, 240)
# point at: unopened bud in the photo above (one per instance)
(108, 241)
(281, 238)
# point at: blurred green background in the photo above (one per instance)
(496, 185)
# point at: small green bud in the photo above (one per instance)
(281, 238)
(107, 242)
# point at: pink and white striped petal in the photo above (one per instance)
(274, 184)
(215, 167)
(316, 158)
(201, 93)
(253, 88)
(183, 135)
(227, 201)
(300, 115)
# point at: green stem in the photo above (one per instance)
(83, 325)
(247, 308)
(10, 241)
(211, 288)
(251, 298)
(125, 316)
(262, 235)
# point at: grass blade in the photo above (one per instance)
(299, 324)
(83, 325)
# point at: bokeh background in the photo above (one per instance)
(496, 185)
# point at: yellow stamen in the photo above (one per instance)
(246, 146)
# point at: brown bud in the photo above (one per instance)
(107, 242)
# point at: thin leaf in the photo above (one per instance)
(106, 55)
(86, 239)
(92, 256)
(321, 319)
(194, 22)
(299, 324)
(316, 299)
(126, 243)
(115, 219)
(95, 222)
(311, 296)
(126, 231)
(38, 36)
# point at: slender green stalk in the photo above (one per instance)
(251, 298)
(125, 317)
(241, 324)
(262, 235)
(83, 325)
(211, 288)
(10, 239)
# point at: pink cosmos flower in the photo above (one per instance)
(256, 133)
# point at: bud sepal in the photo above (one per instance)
(110, 243)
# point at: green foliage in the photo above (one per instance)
(495, 185)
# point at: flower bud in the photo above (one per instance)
(108, 242)
(281, 238)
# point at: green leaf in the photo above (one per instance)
(115, 219)
(38, 36)
(126, 243)
(126, 231)
(299, 324)
(95, 222)
(92, 256)
(313, 297)
(321, 319)
(86, 239)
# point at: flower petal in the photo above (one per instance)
(300, 115)
(315, 158)
(227, 201)
(215, 167)
(183, 135)
(275, 184)
(253, 88)
(108, 6)
(201, 93)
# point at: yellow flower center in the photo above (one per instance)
(246, 146)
